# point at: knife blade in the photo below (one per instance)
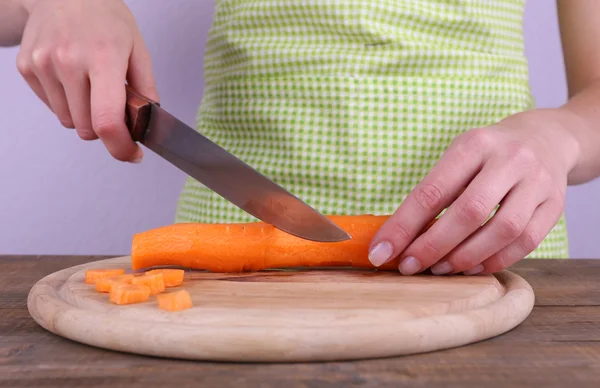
(223, 173)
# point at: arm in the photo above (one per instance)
(579, 22)
(13, 17)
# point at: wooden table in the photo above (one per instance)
(557, 346)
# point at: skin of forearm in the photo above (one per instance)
(579, 34)
(13, 16)
(581, 116)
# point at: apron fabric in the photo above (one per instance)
(349, 103)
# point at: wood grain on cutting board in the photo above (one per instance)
(303, 315)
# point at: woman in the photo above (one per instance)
(409, 108)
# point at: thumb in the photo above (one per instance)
(139, 73)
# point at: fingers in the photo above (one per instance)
(61, 85)
(503, 228)
(140, 75)
(76, 85)
(25, 68)
(77, 90)
(44, 69)
(94, 105)
(462, 218)
(77, 59)
(108, 97)
(463, 159)
(543, 220)
(26, 71)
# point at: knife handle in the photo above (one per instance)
(137, 113)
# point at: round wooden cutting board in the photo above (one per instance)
(291, 315)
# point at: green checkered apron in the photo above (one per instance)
(349, 103)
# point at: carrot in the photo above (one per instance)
(254, 246)
(172, 277)
(124, 293)
(155, 282)
(174, 301)
(91, 275)
(104, 284)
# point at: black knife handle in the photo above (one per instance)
(137, 113)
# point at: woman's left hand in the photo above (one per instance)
(521, 163)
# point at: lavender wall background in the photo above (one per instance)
(61, 195)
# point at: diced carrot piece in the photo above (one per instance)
(174, 301)
(91, 275)
(104, 284)
(125, 293)
(155, 282)
(172, 277)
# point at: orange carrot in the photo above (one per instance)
(104, 284)
(127, 293)
(91, 275)
(172, 277)
(155, 282)
(174, 301)
(254, 246)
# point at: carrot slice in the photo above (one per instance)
(255, 246)
(91, 275)
(174, 301)
(172, 277)
(104, 284)
(127, 293)
(155, 282)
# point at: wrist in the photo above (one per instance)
(558, 130)
(585, 165)
(575, 130)
(585, 130)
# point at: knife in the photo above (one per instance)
(223, 173)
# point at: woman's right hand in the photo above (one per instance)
(76, 56)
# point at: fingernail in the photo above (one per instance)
(138, 156)
(409, 266)
(381, 253)
(475, 270)
(441, 268)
